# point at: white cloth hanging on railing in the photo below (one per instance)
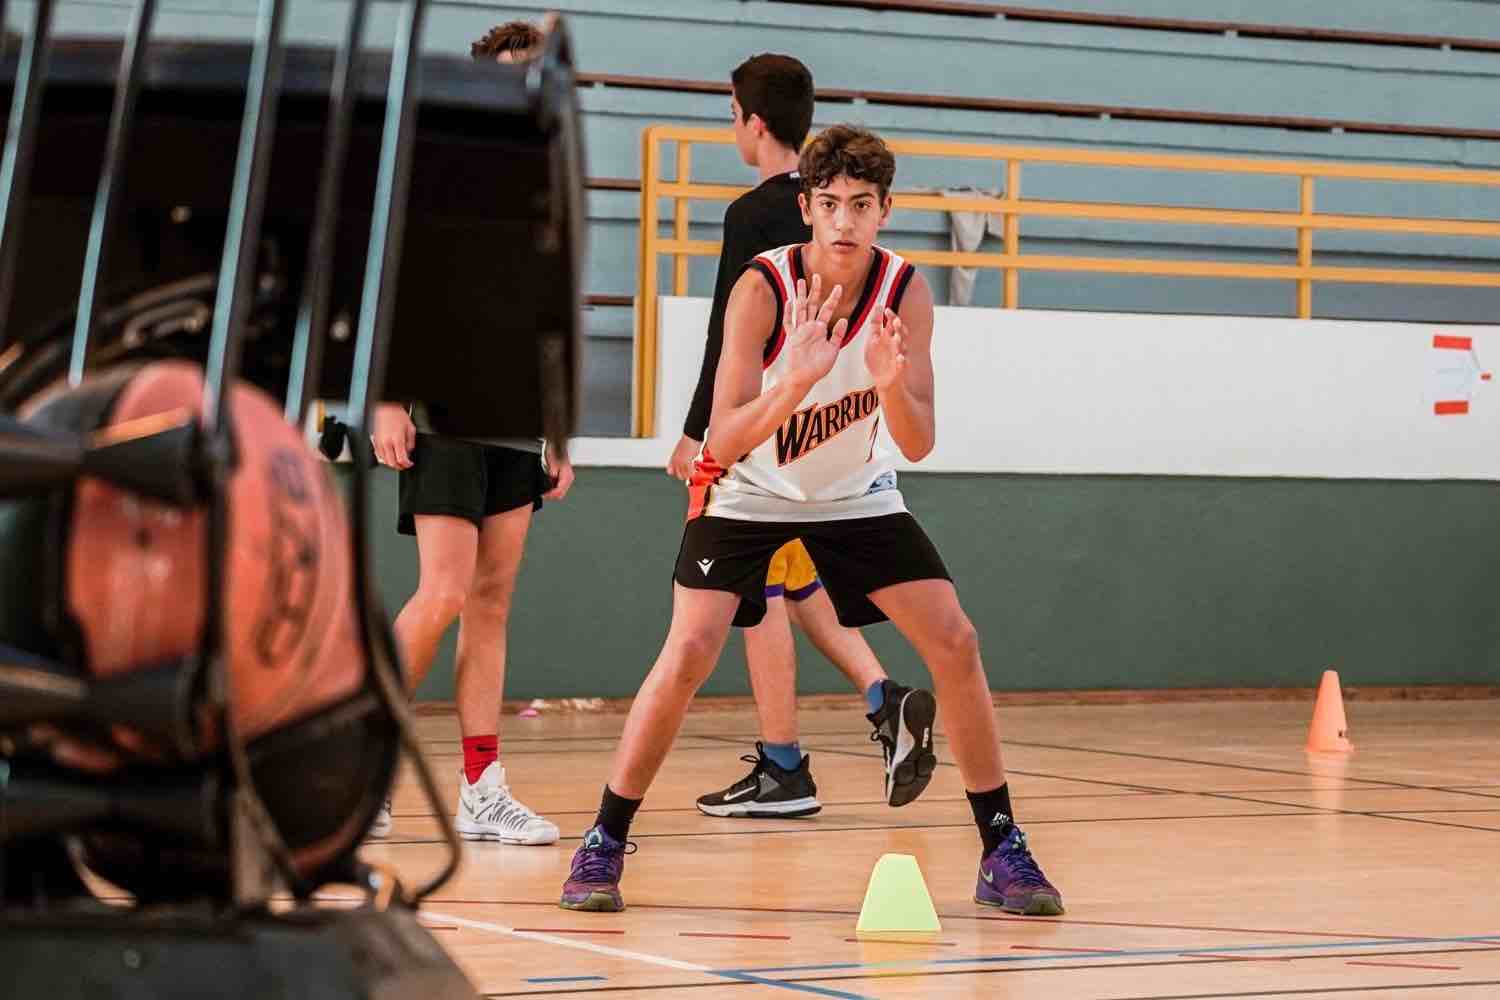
(966, 232)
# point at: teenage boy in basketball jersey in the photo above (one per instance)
(826, 345)
(470, 504)
(771, 105)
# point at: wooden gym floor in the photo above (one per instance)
(1201, 853)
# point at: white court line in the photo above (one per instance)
(599, 949)
(640, 956)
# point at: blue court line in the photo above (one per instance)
(1121, 953)
(746, 977)
(737, 976)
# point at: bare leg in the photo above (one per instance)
(700, 624)
(771, 659)
(480, 664)
(928, 613)
(446, 549)
(845, 648)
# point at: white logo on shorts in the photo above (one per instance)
(705, 565)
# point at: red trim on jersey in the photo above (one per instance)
(873, 431)
(778, 333)
(768, 267)
(774, 347)
(794, 260)
(898, 287)
(868, 296)
(706, 472)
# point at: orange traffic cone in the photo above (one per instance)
(1329, 730)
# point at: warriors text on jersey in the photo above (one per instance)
(828, 460)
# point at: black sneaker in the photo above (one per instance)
(903, 728)
(767, 792)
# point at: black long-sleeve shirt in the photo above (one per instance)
(756, 221)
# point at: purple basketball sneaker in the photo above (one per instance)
(594, 883)
(1010, 879)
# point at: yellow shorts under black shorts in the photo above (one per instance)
(792, 573)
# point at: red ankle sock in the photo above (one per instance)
(479, 753)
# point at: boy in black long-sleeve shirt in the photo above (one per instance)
(772, 106)
(757, 221)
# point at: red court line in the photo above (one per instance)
(1180, 927)
(751, 937)
(1039, 947)
(983, 917)
(1411, 965)
(1246, 958)
(564, 930)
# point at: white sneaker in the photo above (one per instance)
(486, 811)
(382, 825)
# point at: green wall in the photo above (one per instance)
(1074, 582)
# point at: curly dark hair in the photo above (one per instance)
(847, 151)
(516, 37)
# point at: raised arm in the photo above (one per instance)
(743, 416)
(899, 355)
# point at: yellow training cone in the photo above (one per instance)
(897, 904)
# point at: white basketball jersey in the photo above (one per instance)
(828, 461)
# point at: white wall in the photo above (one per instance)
(1097, 393)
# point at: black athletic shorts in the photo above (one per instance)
(854, 558)
(455, 478)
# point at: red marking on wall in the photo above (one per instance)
(1450, 407)
(1453, 343)
(1411, 965)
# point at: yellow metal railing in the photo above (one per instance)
(1012, 207)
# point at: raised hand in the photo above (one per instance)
(885, 352)
(811, 347)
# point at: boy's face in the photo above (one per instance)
(745, 138)
(845, 215)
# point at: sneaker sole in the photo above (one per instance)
(470, 831)
(790, 809)
(1040, 905)
(913, 762)
(598, 902)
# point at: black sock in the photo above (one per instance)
(615, 814)
(993, 815)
